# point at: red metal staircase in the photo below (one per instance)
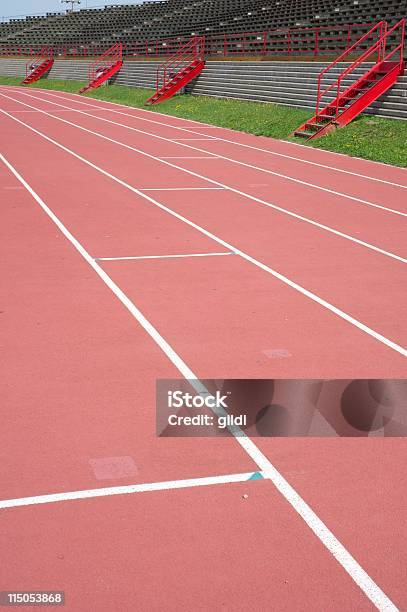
(37, 67)
(179, 70)
(104, 67)
(350, 99)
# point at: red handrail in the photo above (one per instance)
(45, 53)
(378, 46)
(315, 41)
(193, 50)
(110, 57)
(378, 27)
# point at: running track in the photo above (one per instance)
(303, 257)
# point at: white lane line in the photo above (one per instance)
(232, 160)
(285, 211)
(328, 539)
(208, 138)
(309, 294)
(181, 188)
(164, 256)
(239, 144)
(359, 575)
(147, 487)
(345, 155)
(70, 110)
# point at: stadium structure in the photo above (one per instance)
(280, 48)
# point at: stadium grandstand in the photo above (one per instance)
(89, 30)
(307, 34)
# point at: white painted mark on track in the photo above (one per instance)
(181, 188)
(184, 255)
(147, 487)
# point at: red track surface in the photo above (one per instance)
(80, 370)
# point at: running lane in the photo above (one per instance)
(201, 329)
(357, 177)
(79, 379)
(361, 281)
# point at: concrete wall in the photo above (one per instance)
(291, 83)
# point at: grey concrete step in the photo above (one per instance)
(289, 83)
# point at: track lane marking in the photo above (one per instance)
(18, 112)
(147, 487)
(240, 144)
(368, 586)
(181, 188)
(176, 139)
(165, 256)
(285, 211)
(188, 157)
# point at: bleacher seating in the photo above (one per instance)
(93, 28)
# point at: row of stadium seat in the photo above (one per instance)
(170, 18)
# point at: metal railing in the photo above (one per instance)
(290, 42)
(104, 62)
(381, 36)
(192, 51)
(315, 42)
(45, 54)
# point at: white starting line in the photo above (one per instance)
(127, 489)
(164, 256)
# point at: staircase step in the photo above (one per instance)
(303, 134)
(320, 118)
(182, 78)
(314, 127)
